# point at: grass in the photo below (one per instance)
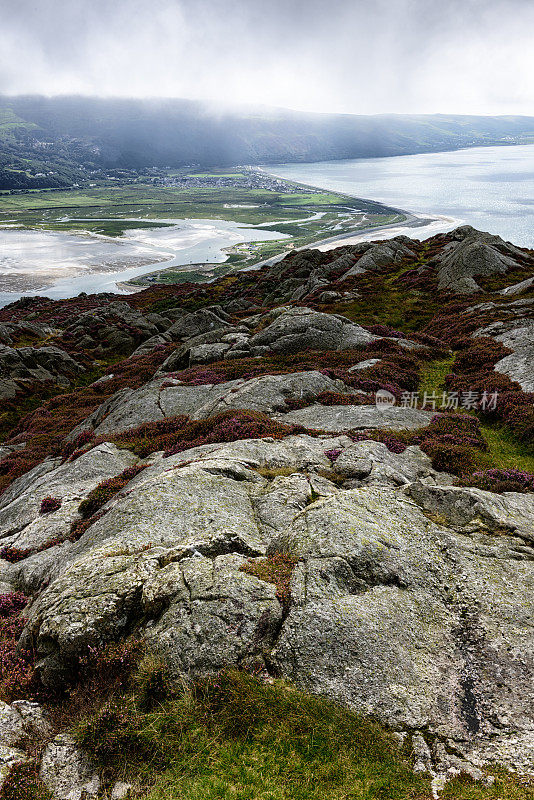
(505, 451)
(433, 374)
(234, 737)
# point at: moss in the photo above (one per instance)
(278, 569)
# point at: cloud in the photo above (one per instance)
(406, 56)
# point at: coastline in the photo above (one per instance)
(12, 290)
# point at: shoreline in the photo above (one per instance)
(406, 220)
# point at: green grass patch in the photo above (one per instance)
(433, 374)
(236, 738)
(233, 737)
(506, 451)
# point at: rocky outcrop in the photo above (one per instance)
(168, 398)
(472, 253)
(345, 418)
(381, 254)
(23, 366)
(405, 607)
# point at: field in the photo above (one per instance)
(304, 214)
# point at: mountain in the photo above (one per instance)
(62, 134)
(284, 519)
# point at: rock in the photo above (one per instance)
(21, 523)
(410, 604)
(399, 617)
(115, 327)
(519, 365)
(380, 255)
(67, 772)
(304, 329)
(372, 462)
(268, 393)
(121, 790)
(21, 721)
(346, 418)
(473, 253)
(518, 288)
(370, 362)
(168, 398)
(25, 365)
(473, 510)
(196, 323)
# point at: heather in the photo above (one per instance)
(43, 431)
(105, 491)
(17, 678)
(503, 480)
(50, 504)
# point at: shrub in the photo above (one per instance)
(455, 429)
(384, 330)
(262, 740)
(78, 528)
(15, 554)
(17, 673)
(49, 504)
(454, 458)
(23, 783)
(333, 454)
(97, 673)
(479, 354)
(393, 442)
(503, 480)
(76, 444)
(230, 426)
(106, 490)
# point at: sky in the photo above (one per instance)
(349, 56)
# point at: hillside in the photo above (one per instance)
(72, 136)
(272, 537)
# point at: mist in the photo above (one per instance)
(401, 56)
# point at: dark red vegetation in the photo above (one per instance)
(474, 371)
(106, 490)
(17, 673)
(503, 480)
(43, 430)
(49, 504)
(451, 441)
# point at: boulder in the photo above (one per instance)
(345, 418)
(382, 254)
(472, 253)
(299, 329)
(67, 772)
(21, 366)
(168, 397)
(412, 622)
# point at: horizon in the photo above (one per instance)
(214, 106)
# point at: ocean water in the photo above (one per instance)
(491, 188)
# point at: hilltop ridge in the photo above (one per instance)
(58, 141)
(320, 472)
